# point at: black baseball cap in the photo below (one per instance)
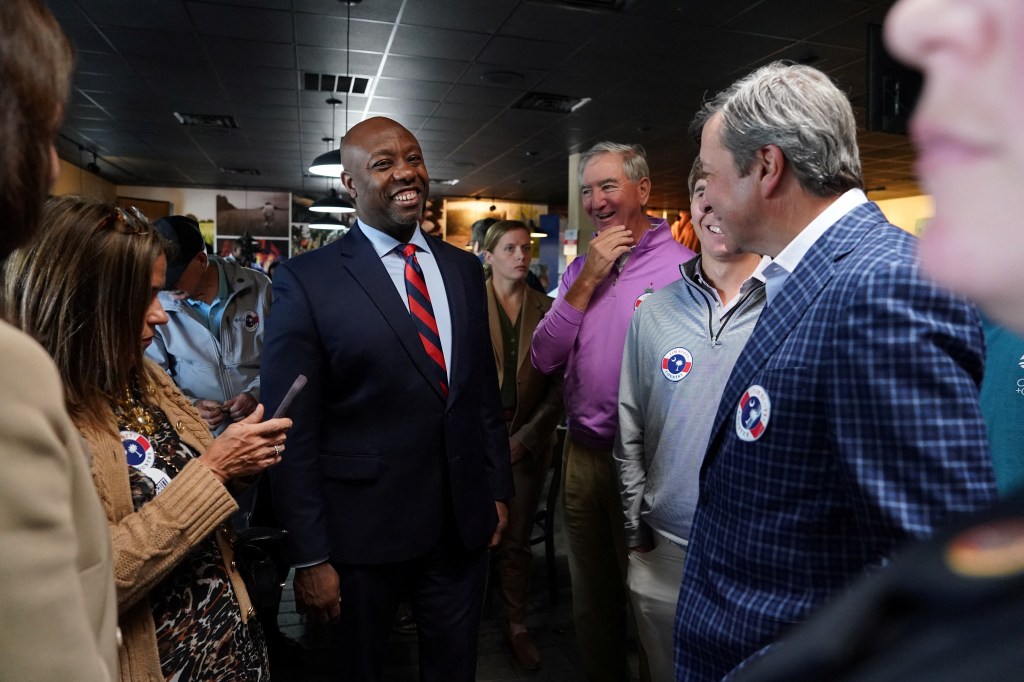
(184, 234)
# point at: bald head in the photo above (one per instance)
(386, 175)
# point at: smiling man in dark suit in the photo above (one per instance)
(398, 464)
(850, 424)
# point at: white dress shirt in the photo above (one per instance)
(385, 245)
(778, 271)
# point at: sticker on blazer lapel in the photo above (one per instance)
(137, 449)
(251, 320)
(643, 297)
(753, 413)
(676, 364)
(991, 550)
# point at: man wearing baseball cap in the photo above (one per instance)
(212, 343)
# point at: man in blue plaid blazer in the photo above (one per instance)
(850, 424)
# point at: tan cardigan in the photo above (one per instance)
(151, 542)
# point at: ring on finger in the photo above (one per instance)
(277, 451)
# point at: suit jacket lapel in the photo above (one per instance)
(361, 261)
(494, 324)
(532, 314)
(779, 318)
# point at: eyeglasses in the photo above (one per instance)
(121, 221)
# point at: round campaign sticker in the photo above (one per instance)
(991, 550)
(159, 478)
(676, 364)
(251, 320)
(641, 298)
(753, 413)
(137, 449)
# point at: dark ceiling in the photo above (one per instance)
(451, 71)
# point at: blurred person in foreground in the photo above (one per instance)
(87, 290)
(950, 609)
(532, 405)
(58, 616)
(850, 425)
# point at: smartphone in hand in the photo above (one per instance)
(297, 385)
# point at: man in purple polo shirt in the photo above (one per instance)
(583, 336)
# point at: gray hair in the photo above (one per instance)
(799, 109)
(634, 159)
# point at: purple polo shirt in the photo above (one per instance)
(587, 347)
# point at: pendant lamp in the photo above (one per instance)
(324, 221)
(332, 203)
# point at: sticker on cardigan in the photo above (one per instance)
(753, 413)
(137, 449)
(159, 478)
(991, 550)
(251, 320)
(676, 364)
(643, 297)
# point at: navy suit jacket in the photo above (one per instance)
(378, 457)
(874, 438)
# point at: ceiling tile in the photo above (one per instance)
(437, 70)
(437, 43)
(516, 52)
(463, 15)
(325, 31)
(248, 23)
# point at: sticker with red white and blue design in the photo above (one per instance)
(137, 449)
(643, 297)
(251, 320)
(753, 413)
(676, 364)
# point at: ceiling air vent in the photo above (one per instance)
(209, 120)
(555, 104)
(239, 171)
(327, 82)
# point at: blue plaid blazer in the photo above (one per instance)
(874, 438)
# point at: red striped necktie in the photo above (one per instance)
(423, 314)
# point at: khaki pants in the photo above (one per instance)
(654, 580)
(597, 560)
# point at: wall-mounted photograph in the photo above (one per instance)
(258, 214)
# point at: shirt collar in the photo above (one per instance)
(384, 243)
(756, 278)
(794, 252)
